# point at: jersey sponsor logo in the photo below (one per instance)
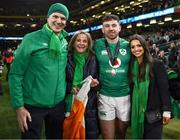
(122, 51)
(117, 63)
(116, 70)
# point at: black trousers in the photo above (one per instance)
(53, 119)
(153, 131)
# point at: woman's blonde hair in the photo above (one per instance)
(73, 40)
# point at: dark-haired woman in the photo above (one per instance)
(150, 96)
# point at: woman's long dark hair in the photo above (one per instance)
(147, 59)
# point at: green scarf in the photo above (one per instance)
(56, 41)
(68, 104)
(79, 61)
(139, 102)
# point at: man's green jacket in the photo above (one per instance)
(35, 78)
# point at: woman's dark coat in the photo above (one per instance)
(158, 98)
(91, 118)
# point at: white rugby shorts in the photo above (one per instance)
(111, 107)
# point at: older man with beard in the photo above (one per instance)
(113, 54)
(37, 77)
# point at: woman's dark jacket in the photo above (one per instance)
(91, 118)
(159, 96)
(158, 99)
